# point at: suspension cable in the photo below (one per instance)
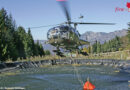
(77, 73)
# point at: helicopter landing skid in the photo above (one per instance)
(59, 53)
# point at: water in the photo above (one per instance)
(65, 78)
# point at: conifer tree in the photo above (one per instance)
(7, 45)
(98, 47)
(20, 41)
(15, 42)
(128, 33)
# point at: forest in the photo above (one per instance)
(116, 44)
(15, 42)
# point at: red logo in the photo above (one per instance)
(128, 4)
(119, 9)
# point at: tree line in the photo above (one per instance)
(15, 41)
(116, 44)
(110, 46)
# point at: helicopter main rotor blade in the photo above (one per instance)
(43, 26)
(65, 9)
(93, 23)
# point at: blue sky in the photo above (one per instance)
(31, 13)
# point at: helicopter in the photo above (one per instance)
(65, 36)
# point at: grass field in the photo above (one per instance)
(119, 55)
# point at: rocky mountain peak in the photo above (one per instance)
(102, 36)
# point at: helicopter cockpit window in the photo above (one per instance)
(66, 28)
(55, 32)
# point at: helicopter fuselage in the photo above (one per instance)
(64, 37)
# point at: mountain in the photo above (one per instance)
(102, 36)
(46, 46)
(91, 37)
